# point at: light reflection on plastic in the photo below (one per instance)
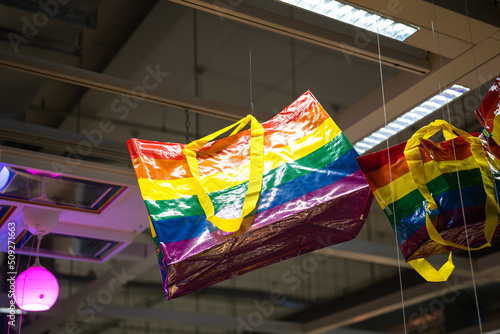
(4, 177)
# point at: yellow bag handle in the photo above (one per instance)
(256, 173)
(416, 167)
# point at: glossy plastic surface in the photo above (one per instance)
(460, 196)
(313, 195)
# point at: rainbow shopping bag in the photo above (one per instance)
(221, 208)
(488, 112)
(438, 196)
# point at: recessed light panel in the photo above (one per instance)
(411, 117)
(357, 17)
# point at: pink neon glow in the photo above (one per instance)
(36, 289)
(35, 172)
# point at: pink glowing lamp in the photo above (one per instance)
(36, 289)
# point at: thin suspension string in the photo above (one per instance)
(390, 171)
(494, 183)
(187, 125)
(80, 65)
(438, 57)
(250, 78)
(39, 236)
(197, 71)
(458, 174)
(293, 60)
(472, 42)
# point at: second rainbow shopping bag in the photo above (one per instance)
(438, 196)
(221, 208)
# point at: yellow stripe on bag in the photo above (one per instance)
(172, 189)
(404, 185)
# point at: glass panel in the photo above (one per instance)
(69, 246)
(56, 190)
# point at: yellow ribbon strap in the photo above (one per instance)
(416, 167)
(427, 271)
(255, 177)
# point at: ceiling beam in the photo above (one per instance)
(115, 85)
(260, 18)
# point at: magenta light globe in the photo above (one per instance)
(36, 289)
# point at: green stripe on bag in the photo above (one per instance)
(414, 200)
(189, 206)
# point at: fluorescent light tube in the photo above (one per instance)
(411, 117)
(357, 17)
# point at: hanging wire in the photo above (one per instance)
(70, 283)
(164, 119)
(390, 171)
(293, 60)
(187, 124)
(195, 53)
(40, 237)
(456, 164)
(196, 69)
(197, 311)
(80, 65)
(250, 78)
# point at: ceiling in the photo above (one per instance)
(82, 67)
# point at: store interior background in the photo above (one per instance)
(53, 97)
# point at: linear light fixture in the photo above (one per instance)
(411, 117)
(357, 17)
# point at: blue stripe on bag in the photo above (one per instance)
(183, 228)
(450, 200)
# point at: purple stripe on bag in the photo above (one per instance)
(180, 250)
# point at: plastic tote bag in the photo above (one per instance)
(438, 196)
(221, 208)
(489, 112)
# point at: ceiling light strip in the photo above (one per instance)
(357, 17)
(411, 117)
